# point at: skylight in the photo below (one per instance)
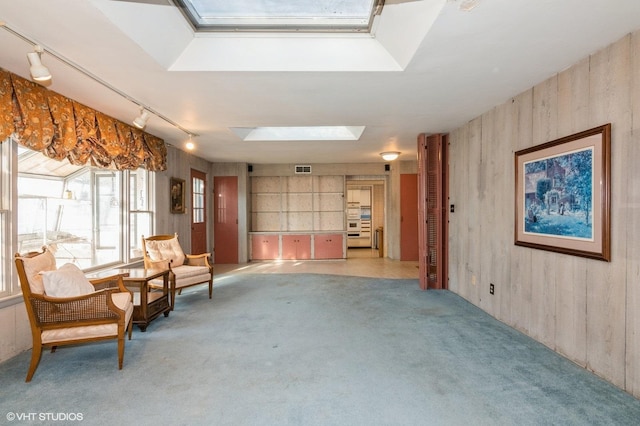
(308, 133)
(277, 15)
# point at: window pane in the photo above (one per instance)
(74, 210)
(139, 225)
(138, 190)
(4, 277)
(198, 200)
(305, 15)
(108, 217)
(5, 204)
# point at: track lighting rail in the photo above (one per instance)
(94, 77)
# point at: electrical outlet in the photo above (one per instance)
(491, 289)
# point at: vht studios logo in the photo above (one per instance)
(50, 417)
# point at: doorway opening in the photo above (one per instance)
(365, 216)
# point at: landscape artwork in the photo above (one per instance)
(563, 195)
(559, 195)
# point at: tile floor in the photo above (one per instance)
(360, 262)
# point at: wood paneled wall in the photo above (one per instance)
(587, 310)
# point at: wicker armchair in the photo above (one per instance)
(164, 251)
(102, 311)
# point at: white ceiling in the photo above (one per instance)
(430, 67)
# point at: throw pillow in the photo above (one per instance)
(36, 264)
(67, 281)
(166, 250)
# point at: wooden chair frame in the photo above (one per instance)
(51, 313)
(201, 259)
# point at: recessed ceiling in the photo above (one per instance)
(427, 66)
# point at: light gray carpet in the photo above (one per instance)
(317, 350)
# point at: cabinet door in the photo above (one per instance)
(264, 247)
(328, 246)
(296, 246)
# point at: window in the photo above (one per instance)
(79, 211)
(140, 214)
(267, 15)
(5, 203)
(198, 200)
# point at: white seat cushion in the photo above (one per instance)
(122, 300)
(187, 275)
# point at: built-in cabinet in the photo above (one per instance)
(296, 246)
(292, 217)
(328, 246)
(265, 246)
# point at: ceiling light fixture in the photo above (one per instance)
(38, 71)
(37, 54)
(141, 121)
(189, 145)
(389, 155)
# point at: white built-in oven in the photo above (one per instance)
(353, 228)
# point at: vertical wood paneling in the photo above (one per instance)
(606, 292)
(485, 219)
(544, 129)
(521, 271)
(585, 309)
(632, 207)
(472, 212)
(458, 278)
(571, 291)
(502, 185)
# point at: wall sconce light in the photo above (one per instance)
(38, 71)
(389, 155)
(141, 121)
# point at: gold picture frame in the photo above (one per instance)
(176, 195)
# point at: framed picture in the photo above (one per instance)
(177, 195)
(562, 195)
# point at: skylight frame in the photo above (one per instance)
(301, 24)
(299, 133)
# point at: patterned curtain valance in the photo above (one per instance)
(59, 127)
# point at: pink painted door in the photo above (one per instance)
(409, 217)
(225, 221)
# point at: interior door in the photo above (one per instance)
(198, 212)
(409, 217)
(432, 214)
(225, 222)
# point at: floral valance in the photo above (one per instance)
(59, 127)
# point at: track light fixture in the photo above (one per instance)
(41, 74)
(189, 144)
(38, 71)
(389, 155)
(141, 121)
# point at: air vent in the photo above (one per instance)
(303, 170)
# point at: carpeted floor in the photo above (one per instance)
(307, 349)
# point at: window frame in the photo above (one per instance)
(9, 174)
(301, 23)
